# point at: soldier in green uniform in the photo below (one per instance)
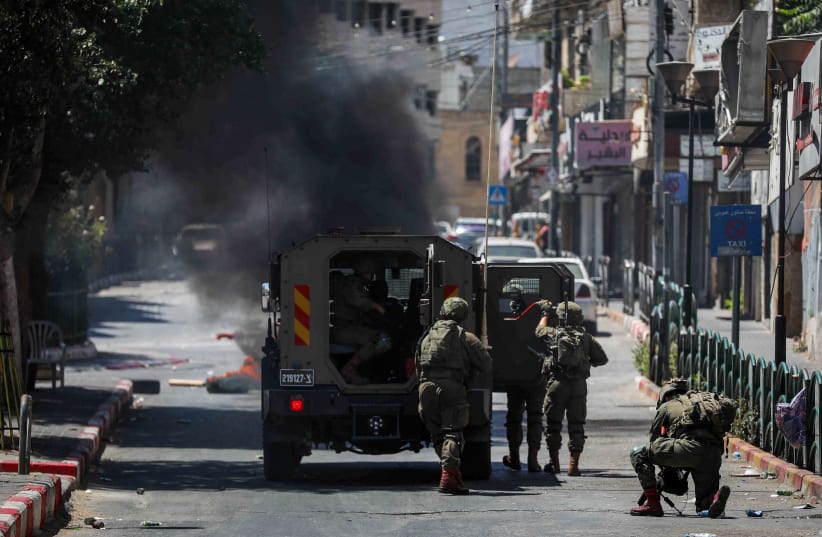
(696, 449)
(351, 303)
(446, 356)
(567, 388)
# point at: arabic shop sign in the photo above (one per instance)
(603, 143)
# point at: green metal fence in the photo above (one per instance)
(711, 362)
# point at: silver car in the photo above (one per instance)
(585, 290)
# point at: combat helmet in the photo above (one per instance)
(671, 388)
(575, 316)
(454, 308)
(365, 268)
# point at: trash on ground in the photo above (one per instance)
(150, 524)
(187, 382)
(138, 403)
(141, 490)
(804, 506)
(753, 514)
(784, 492)
(701, 535)
(238, 381)
(94, 522)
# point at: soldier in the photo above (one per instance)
(572, 353)
(697, 449)
(446, 356)
(527, 398)
(351, 303)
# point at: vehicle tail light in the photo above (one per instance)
(451, 236)
(584, 292)
(297, 403)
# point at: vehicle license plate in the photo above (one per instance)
(296, 377)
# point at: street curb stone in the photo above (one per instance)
(44, 492)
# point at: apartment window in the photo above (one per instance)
(473, 158)
(431, 102)
(341, 8)
(375, 17)
(432, 34)
(358, 13)
(391, 15)
(419, 23)
(405, 21)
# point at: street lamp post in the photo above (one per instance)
(675, 74)
(789, 54)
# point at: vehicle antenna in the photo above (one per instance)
(490, 140)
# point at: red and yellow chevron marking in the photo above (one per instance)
(450, 291)
(302, 315)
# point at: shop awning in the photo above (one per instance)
(535, 159)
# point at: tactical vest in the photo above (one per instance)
(441, 354)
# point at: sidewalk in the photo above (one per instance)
(754, 338)
(68, 429)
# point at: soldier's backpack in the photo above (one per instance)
(704, 410)
(568, 351)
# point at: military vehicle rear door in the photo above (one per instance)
(512, 316)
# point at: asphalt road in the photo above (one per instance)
(197, 456)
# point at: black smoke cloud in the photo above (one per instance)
(304, 148)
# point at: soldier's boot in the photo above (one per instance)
(573, 464)
(349, 371)
(512, 460)
(533, 463)
(553, 465)
(718, 504)
(651, 507)
(451, 482)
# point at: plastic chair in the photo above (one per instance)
(46, 347)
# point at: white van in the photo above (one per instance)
(528, 223)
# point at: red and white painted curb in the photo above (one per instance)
(638, 328)
(51, 482)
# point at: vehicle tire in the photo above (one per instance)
(280, 459)
(475, 461)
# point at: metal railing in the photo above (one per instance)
(25, 435)
(711, 362)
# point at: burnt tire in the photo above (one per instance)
(280, 459)
(475, 461)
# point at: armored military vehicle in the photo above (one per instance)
(307, 403)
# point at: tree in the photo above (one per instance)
(86, 83)
(797, 17)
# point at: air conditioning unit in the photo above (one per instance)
(741, 100)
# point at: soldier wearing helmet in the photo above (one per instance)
(351, 302)
(446, 357)
(571, 354)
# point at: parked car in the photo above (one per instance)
(199, 242)
(585, 287)
(507, 249)
(528, 223)
(468, 229)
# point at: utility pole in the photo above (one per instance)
(658, 136)
(659, 201)
(555, 61)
